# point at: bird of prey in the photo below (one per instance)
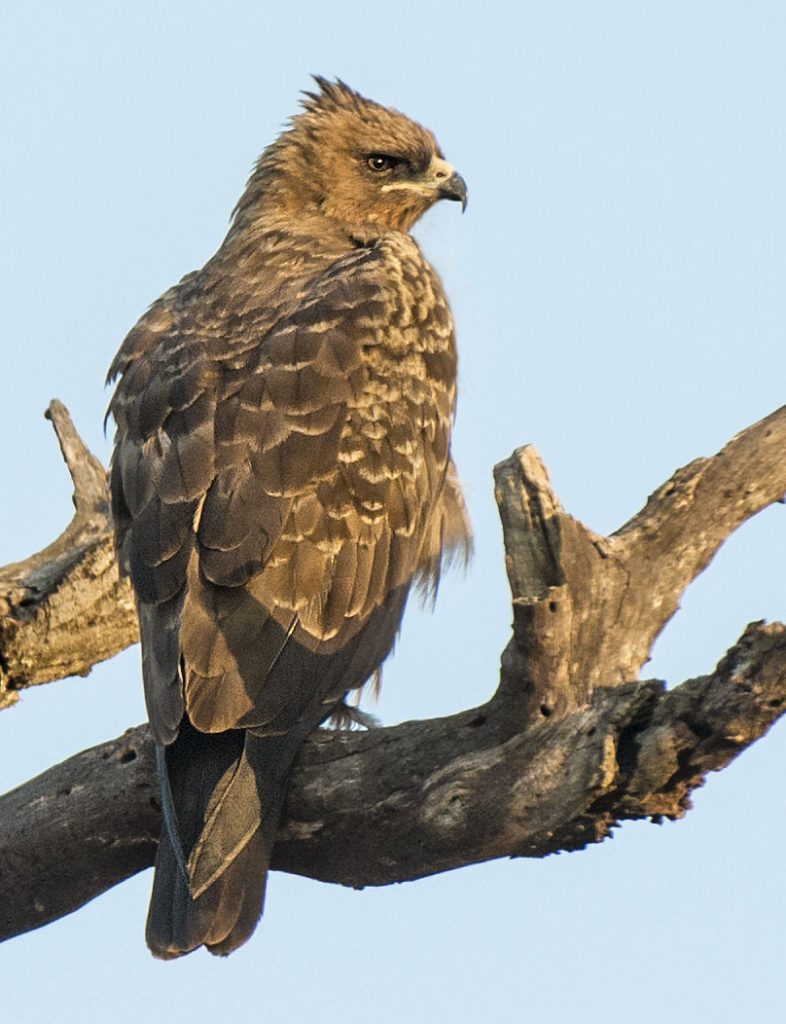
(281, 478)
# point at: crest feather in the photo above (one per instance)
(332, 95)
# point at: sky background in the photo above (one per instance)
(618, 286)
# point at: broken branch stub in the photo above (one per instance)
(65, 608)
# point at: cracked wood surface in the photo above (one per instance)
(571, 743)
(65, 609)
(394, 804)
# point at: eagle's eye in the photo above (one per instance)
(381, 162)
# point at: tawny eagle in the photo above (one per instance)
(281, 478)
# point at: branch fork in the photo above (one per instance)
(572, 743)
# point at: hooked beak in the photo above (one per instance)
(448, 182)
(440, 178)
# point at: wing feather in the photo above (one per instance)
(273, 491)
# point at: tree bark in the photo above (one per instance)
(65, 609)
(571, 744)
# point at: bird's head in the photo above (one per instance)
(353, 161)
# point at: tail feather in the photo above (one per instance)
(226, 793)
(223, 794)
(233, 815)
(221, 919)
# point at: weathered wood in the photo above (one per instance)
(588, 609)
(389, 805)
(570, 744)
(65, 608)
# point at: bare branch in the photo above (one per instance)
(703, 503)
(369, 808)
(685, 522)
(65, 608)
(587, 608)
(570, 744)
(91, 494)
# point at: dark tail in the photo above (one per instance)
(223, 795)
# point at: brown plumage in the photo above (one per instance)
(281, 477)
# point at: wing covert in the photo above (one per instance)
(276, 490)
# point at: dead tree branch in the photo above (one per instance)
(571, 744)
(65, 609)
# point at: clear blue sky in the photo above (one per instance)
(618, 284)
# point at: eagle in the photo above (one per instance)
(281, 479)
